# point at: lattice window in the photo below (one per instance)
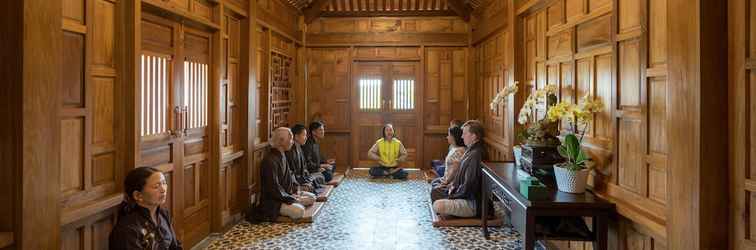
(404, 94)
(195, 93)
(370, 94)
(280, 89)
(154, 97)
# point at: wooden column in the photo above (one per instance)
(249, 54)
(698, 179)
(31, 73)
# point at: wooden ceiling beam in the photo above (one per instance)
(314, 9)
(459, 7)
(386, 13)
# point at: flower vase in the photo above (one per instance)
(570, 181)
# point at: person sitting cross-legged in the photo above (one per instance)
(279, 195)
(464, 193)
(451, 164)
(296, 161)
(320, 169)
(389, 152)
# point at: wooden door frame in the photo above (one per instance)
(419, 97)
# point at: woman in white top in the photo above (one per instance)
(451, 163)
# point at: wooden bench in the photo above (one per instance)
(337, 179)
(451, 221)
(324, 192)
(308, 217)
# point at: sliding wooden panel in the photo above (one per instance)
(91, 163)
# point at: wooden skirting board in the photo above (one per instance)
(309, 215)
(439, 221)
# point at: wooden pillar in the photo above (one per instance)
(29, 134)
(249, 54)
(698, 179)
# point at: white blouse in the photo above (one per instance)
(451, 164)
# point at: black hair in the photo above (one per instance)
(314, 126)
(456, 132)
(297, 129)
(456, 122)
(383, 131)
(135, 181)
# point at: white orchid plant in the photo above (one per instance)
(503, 96)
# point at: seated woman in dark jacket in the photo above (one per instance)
(464, 193)
(142, 223)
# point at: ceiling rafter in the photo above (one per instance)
(314, 9)
(460, 8)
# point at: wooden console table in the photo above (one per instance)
(501, 179)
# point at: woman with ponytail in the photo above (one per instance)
(142, 223)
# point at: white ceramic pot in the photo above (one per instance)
(571, 181)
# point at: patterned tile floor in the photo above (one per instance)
(365, 213)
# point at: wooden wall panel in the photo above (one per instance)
(742, 110)
(281, 17)
(104, 108)
(91, 166)
(493, 59)
(336, 146)
(233, 185)
(73, 69)
(329, 85)
(629, 74)
(72, 156)
(387, 31)
(625, 67)
(444, 87)
(74, 10)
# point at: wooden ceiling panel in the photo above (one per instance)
(372, 8)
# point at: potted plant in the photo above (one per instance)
(572, 175)
(540, 134)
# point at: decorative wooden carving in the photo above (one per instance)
(280, 89)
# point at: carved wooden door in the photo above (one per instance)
(174, 87)
(385, 92)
